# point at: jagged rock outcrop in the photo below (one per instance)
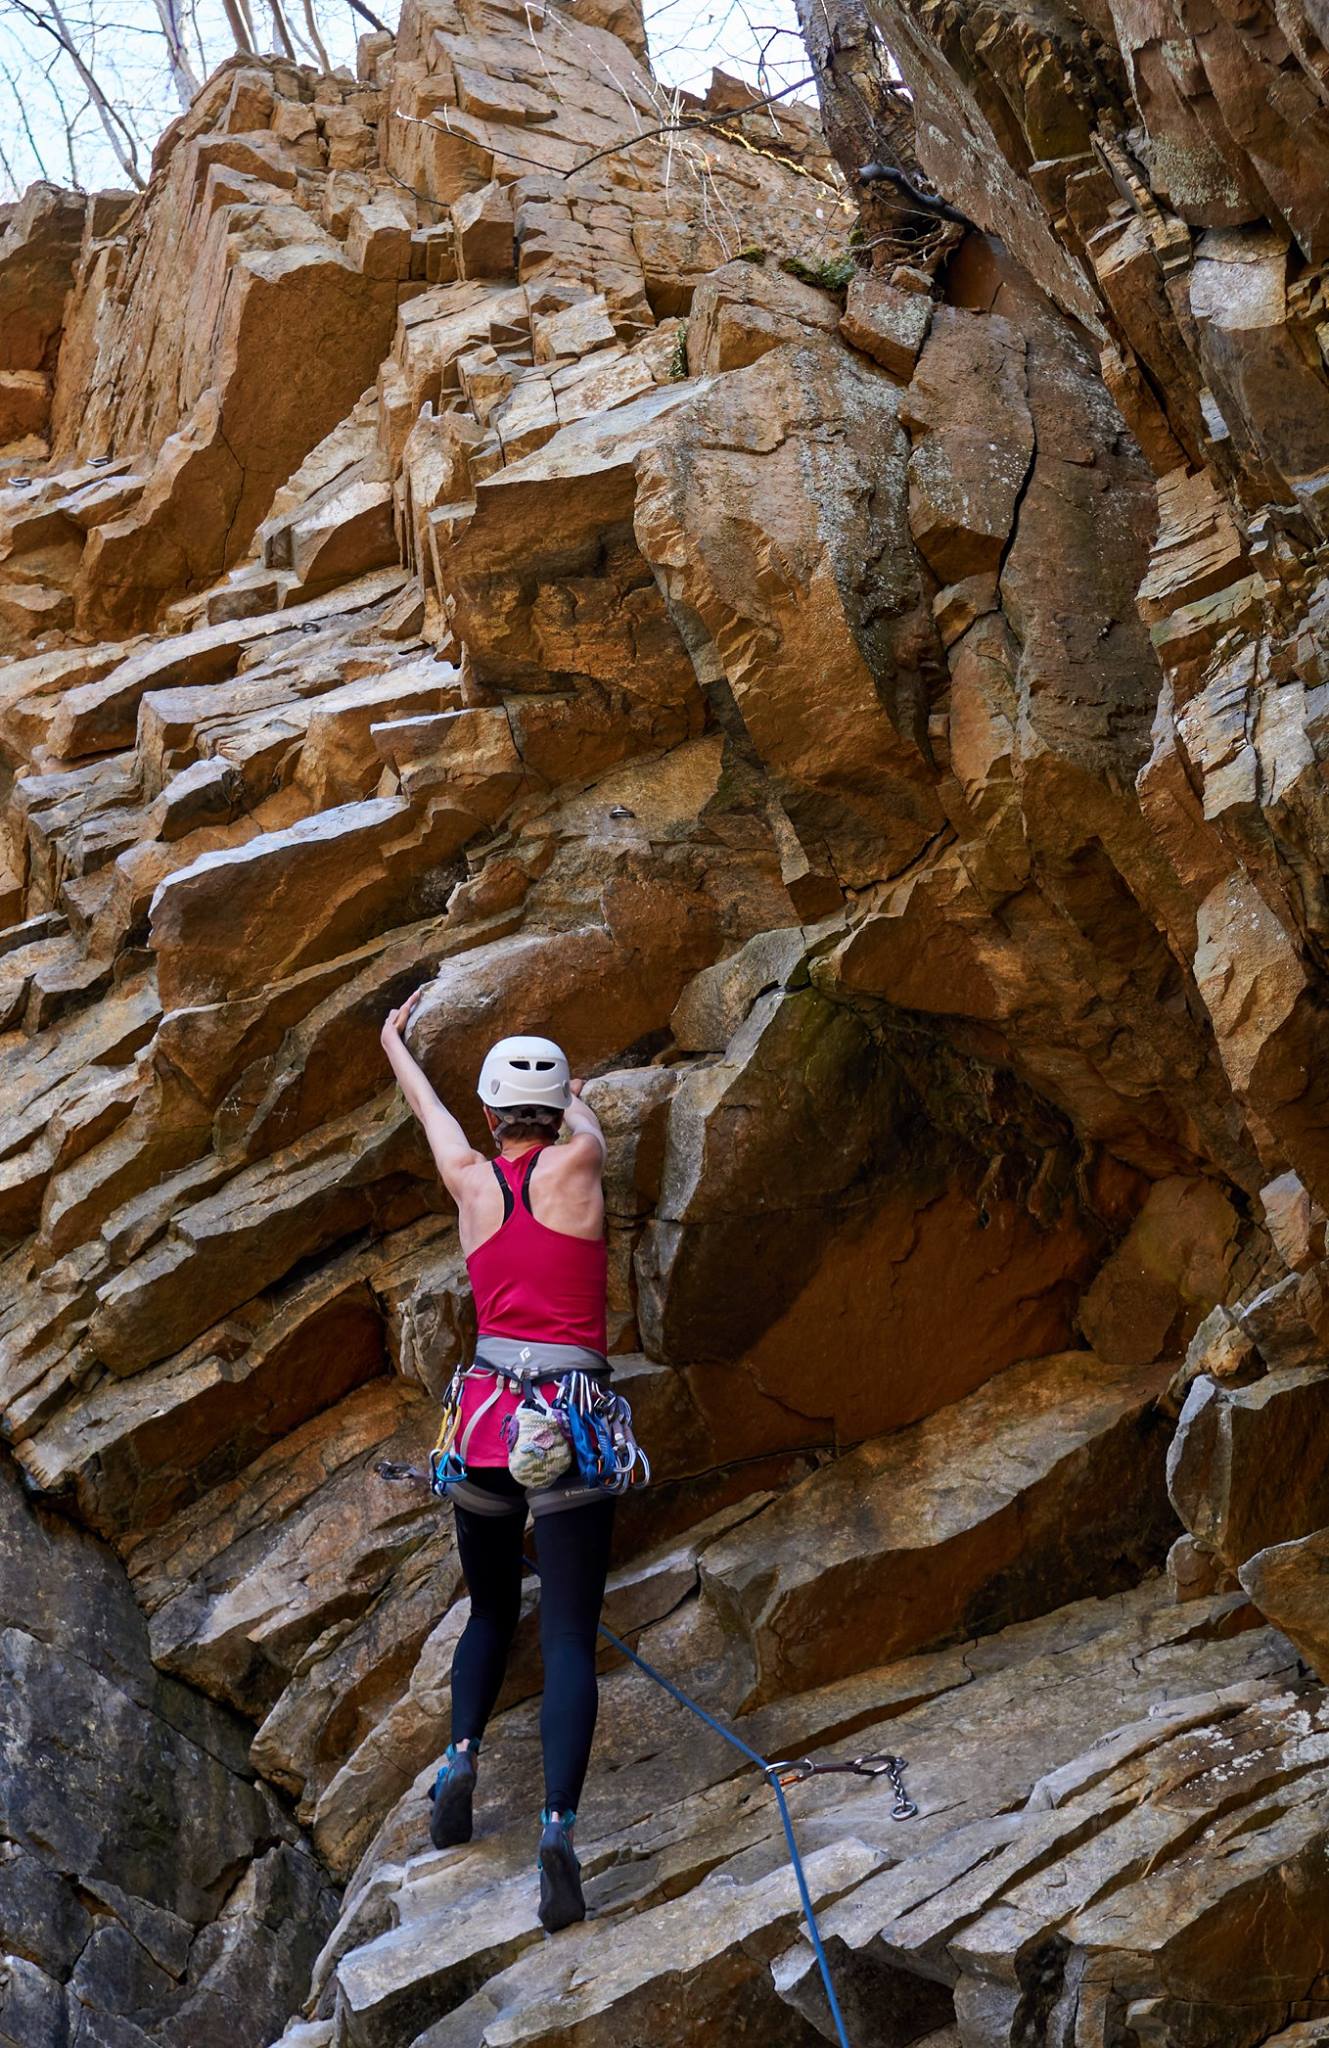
(151, 1887)
(454, 533)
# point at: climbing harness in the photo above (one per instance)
(585, 1424)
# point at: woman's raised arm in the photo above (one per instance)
(453, 1151)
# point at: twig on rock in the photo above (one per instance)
(686, 122)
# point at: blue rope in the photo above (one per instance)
(769, 1773)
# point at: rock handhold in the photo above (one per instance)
(1289, 1583)
(1247, 1466)
(1045, 1485)
(1171, 1264)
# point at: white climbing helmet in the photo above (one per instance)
(521, 1070)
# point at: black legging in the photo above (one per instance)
(572, 1550)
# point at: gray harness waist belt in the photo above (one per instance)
(547, 1500)
(532, 1358)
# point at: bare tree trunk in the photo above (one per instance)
(183, 76)
(865, 113)
(283, 34)
(240, 25)
(311, 26)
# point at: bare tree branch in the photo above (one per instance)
(183, 75)
(358, 7)
(21, 103)
(139, 62)
(686, 122)
(118, 133)
(283, 34)
(192, 10)
(316, 40)
(68, 126)
(241, 26)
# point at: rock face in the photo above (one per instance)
(454, 534)
(151, 1888)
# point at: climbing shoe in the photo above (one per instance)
(561, 1901)
(452, 1792)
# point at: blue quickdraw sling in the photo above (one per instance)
(603, 1444)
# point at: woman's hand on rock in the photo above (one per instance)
(394, 1024)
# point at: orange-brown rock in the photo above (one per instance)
(770, 574)
(462, 538)
(917, 1538)
(744, 309)
(37, 254)
(888, 324)
(1287, 1583)
(1174, 1260)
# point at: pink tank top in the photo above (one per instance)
(534, 1284)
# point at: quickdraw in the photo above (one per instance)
(599, 1423)
(796, 1770)
(444, 1464)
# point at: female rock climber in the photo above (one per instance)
(532, 1226)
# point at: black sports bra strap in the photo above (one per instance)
(500, 1177)
(526, 1178)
